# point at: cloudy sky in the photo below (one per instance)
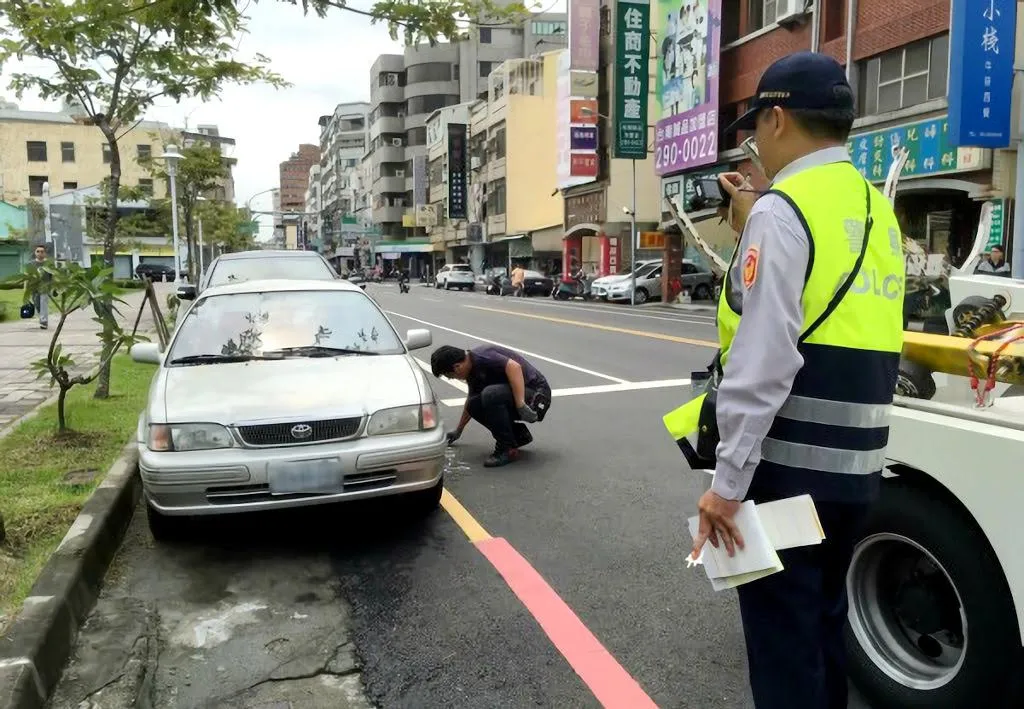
(327, 61)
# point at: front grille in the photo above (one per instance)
(284, 434)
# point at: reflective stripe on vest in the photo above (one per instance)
(836, 418)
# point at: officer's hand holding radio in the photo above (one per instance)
(741, 199)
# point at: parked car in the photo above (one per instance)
(261, 265)
(536, 283)
(599, 287)
(699, 280)
(285, 393)
(457, 275)
(155, 271)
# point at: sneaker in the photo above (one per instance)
(502, 458)
(523, 435)
(43, 326)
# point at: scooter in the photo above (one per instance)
(403, 284)
(572, 287)
(500, 285)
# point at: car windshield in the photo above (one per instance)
(646, 269)
(282, 323)
(462, 268)
(257, 269)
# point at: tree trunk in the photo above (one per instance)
(62, 422)
(109, 249)
(187, 212)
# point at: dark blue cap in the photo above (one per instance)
(805, 80)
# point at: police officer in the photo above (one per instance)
(810, 327)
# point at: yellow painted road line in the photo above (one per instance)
(606, 328)
(463, 518)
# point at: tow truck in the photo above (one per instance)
(936, 583)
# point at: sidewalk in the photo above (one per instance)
(23, 342)
(691, 307)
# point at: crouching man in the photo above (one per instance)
(505, 390)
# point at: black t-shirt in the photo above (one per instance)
(489, 363)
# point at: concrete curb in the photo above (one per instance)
(38, 642)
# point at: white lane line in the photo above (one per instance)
(560, 363)
(460, 385)
(600, 389)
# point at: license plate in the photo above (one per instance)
(322, 475)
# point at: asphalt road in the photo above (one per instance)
(549, 583)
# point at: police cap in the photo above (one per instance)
(803, 80)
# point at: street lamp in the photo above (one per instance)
(631, 211)
(171, 156)
(199, 216)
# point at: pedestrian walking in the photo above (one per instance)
(505, 392)
(40, 298)
(808, 366)
(518, 279)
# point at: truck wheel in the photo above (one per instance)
(915, 381)
(931, 621)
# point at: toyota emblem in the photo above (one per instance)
(301, 431)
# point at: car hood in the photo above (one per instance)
(311, 388)
(608, 280)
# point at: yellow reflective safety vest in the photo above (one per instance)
(830, 435)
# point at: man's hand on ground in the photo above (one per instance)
(527, 414)
(716, 520)
(454, 436)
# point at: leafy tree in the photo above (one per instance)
(115, 59)
(226, 226)
(71, 287)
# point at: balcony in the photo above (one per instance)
(387, 124)
(384, 215)
(389, 185)
(389, 153)
(387, 94)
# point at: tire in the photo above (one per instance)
(914, 381)
(641, 296)
(162, 527)
(957, 584)
(424, 502)
(471, 288)
(702, 292)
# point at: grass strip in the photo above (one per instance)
(37, 501)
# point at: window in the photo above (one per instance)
(485, 69)
(761, 13)
(434, 71)
(35, 185)
(496, 197)
(905, 76)
(36, 150)
(146, 185)
(499, 144)
(69, 186)
(67, 152)
(485, 35)
(416, 136)
(545, 27)
(455, 72)
(145, 152)
(429, 104)
(106, 153)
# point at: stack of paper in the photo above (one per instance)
(766, 528)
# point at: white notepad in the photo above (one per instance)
(766, 528)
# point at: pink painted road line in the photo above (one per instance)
(603, 675)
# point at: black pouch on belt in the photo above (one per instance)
(707, 423)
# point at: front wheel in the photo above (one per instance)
(931, 622)
(702, 292)
(426, 501)
(162, 527)
(641, 296)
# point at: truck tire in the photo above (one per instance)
(931, 623)
(915, 381)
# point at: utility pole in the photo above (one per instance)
(47, 232)
(1017, 256)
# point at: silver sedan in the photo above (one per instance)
(284, 394)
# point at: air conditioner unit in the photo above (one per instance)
(391, 79)
(474, 162)
(399, 173)
(397, 142)
(791, 13)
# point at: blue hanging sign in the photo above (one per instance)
(981, 49)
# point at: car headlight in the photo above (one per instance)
(403, 419)
(188, 437)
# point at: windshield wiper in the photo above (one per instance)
(218, 358)
(321, 351)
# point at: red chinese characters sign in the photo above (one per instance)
(583, 165)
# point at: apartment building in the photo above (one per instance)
(312, 206)
(344, 136)
(62, 149)
(897, 57)
(406, 88)
(294, 179)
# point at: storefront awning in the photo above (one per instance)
(403, 248)
(513, 237)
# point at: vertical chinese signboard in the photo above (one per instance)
(981, 49)
(632, 55)
(686, 135)
(584, 34)
(456, 170)
(575, 129)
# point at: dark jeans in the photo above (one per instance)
(494, 408)
(793, 620)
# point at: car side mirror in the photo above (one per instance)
(186, 291)
(418, 339)
(146, 353)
